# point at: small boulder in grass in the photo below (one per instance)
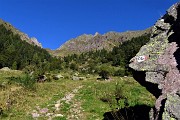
(5, 69)
(75, 78)
(57, 77)
(57, 105)
(49, 114)
(35, 115)
(58, 115)
(44, 110)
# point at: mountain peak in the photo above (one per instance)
(96, 34)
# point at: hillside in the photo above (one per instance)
(114, 61)
(22, 35)
(18, 54)
(86, 43)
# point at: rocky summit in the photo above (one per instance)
(158, 62)
(86, 43)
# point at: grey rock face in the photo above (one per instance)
(86, 43)
(160, 60)
(35, 42)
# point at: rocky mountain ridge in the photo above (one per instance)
(85, 42)
(22, 35)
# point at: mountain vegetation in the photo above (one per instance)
(17, 54)
(112, 62)
(35, 84)
(93, 80)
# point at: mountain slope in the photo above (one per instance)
(85, 43)
(18, 54)
(22, 35)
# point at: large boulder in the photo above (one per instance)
(57, 77)
(157, 64)
(5, 69)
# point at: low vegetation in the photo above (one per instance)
(115, 62)
(94, 98)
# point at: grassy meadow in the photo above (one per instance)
(65, 99)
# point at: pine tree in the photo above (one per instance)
(14, 66)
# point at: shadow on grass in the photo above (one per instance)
(138, 112)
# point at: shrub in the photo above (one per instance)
(73, 66)
(26, 81)
(104, 74)
(114, 97)
(120, 72)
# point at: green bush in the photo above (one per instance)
(74, 66)
(104, 74)
(26, 81)
(120, 72)
(115, 97)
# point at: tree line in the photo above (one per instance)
(114, 62)
(20, 55)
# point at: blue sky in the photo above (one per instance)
(53, 22)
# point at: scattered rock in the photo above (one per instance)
(68, 98)
(57, 77)
(44, 110)
(35, 115)
(58, 115)
(76, 74)
(57, 106)
(49, 114)
(75, 78)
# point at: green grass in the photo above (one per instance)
(46, 95)
(94, 108)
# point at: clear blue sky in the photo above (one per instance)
(53, 22)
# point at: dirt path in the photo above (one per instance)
(74, 113)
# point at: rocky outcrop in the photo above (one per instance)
(159, 63)
(22, 35)
(35, 41)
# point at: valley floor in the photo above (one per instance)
(65, 99)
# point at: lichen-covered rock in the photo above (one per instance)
(160, 61)
(172, 107)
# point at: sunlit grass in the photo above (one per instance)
(24, 101)
(94, 108)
